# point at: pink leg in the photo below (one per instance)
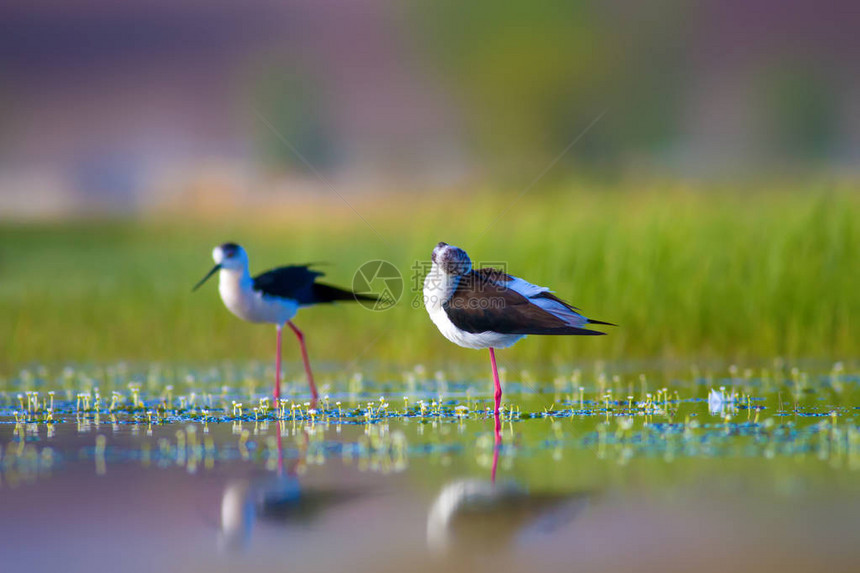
(498, 385)
(496, 456)
(301, 337)
(301, 461)
(280, 450)
(278, 367)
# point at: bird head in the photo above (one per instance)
(228, 256)
(451, 260)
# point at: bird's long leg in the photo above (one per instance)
(300, 463)
(498, 395)
(496, 448)
(280, 449)
(301, 337)
(278, 367)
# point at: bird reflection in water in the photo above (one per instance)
(479, 517)
(273, 500)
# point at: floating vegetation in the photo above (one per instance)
(177, 417)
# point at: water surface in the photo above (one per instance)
(739, 471)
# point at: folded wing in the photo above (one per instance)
(298, 282)
(491, 301)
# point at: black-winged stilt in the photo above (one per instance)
(488, 308)
(278, 499)
(477, 517)
(273, 297)
(471, 517)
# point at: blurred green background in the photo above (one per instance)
(688, 171)
(685, 272)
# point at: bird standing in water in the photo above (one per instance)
(487, 308)
(274, 297)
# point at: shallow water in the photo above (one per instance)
(621, 474)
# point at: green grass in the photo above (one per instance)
(686, 272)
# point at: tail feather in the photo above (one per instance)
(323, 293)
(574, 330)
(591, 321)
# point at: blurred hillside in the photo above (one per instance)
(122, 107)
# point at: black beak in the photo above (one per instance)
(214, 270)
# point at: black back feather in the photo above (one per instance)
(298, 282)
(483, 305)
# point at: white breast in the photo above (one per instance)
(241, 299)
(438, 288)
